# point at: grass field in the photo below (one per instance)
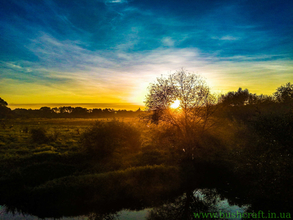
(46, 160)
(15, 134)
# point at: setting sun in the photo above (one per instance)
(175, 104)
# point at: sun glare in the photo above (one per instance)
(175, 104)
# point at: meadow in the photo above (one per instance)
(43, 160)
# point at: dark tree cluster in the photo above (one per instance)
(73, 112)
(243, 97)
(283, 94)
(5, 112)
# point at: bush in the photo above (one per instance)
(38, 135)
(103, 138)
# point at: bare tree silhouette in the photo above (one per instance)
(193, 116)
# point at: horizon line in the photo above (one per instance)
(89, 105)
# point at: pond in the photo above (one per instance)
(189, 204)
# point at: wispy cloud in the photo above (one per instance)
(124, 76)
(115, 1)
(100, 50)
(167, 41)
(227, 37)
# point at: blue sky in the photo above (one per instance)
(108, 51)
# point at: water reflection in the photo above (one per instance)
(172, 208)
(194, 202)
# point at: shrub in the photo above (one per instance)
(103, 138)
(38, 135)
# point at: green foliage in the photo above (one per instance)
(104, 138)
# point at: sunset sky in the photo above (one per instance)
(108, 51)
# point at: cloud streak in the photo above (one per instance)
(123, 77)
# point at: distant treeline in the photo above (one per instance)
(283, 94)
(72, 112)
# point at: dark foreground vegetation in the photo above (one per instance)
(69, 167)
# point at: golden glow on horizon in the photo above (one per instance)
(120, 88)
(175, 104)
